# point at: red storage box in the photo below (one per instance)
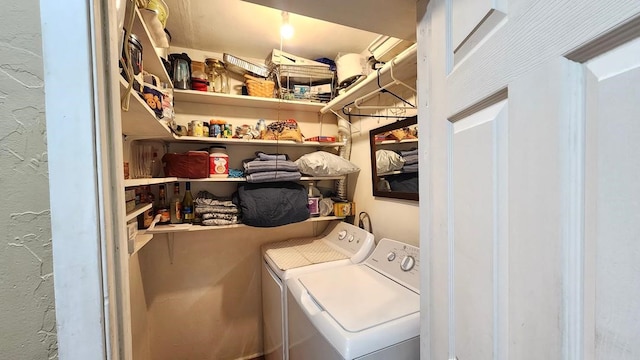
(192, 164)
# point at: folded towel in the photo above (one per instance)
(409, 152)
(229, 217)
(264, 157)
(272, 176)
(410, 168)
(410, 159)
(208, 209)
(255, 166)
(219, 222)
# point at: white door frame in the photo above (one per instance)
(84, 204)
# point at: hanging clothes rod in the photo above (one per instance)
(346, 109)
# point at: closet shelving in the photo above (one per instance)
(156, 181)
(395, 72)
(140, 121)
(395, 142)
(177, 228)
(152, 63)
(203, 97)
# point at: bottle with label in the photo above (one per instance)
(176, 205)
(146, 218)
(162, 208)
(314, 200)
(188, 211)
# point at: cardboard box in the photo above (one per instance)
(132, 229)
(130, 205)
(344, 209)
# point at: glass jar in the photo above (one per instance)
(218, 77)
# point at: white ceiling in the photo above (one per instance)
(245, 29)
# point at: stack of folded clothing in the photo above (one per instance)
(216, 211)
(271, 168)
(410, 160)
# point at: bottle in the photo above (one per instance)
(314, 200)
(176, 206)
(162, 208)
(146, 218)
(188, 210)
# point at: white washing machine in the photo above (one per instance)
(362, 311)
(341, 244)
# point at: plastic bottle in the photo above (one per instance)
(218, 161)
(188, 211)
(162, 208)
(176, 205)
(314, 200)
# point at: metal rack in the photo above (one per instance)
(304, 82)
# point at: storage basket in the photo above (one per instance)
(259, 87)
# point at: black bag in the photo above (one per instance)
(272, 204)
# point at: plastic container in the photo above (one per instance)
(218, 162)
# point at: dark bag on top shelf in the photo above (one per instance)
(272, 204)
(192, 164)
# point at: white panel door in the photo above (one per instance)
(479, 168)
(613, 204)
(530, 213)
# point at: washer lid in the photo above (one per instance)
(358, 297)
(295, 253)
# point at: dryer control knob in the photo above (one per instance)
(391, 256)
(407, 263)
(350, 238)
(342, 234)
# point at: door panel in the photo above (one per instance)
(478, 165)
(613, 204)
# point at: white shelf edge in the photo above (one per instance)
(156, 66)
(253, 142)
(154, 181)
(388, 142)
(149, 181)
(137, 211)
(177, 228)
(204, 97)
(370, 83)
(140, 241)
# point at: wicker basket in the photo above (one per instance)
(259, 87)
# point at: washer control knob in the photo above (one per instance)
(407, 263)
(391, 256)
(342, 234)
(350, 238)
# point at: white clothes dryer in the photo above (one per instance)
(341, 244)
(362, 311)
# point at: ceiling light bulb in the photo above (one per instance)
(286, 30)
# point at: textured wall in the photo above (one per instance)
(27, 314)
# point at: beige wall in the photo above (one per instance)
(27, 313)
(391, 218)
(203, 302)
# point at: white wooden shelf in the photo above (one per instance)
(137, 211)
(151, 62)
(178, 228)
(141, 240)
(148, 181)
(395, 142)
(204, 97)
(154, 181)
(140, 120)
(254, 142)
(405, 67)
